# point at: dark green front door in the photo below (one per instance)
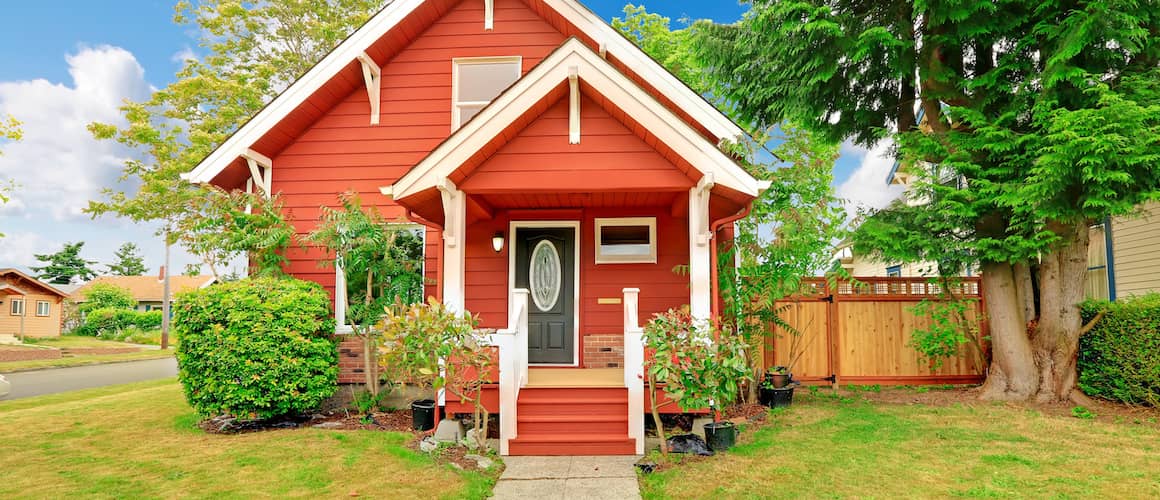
(545, 266)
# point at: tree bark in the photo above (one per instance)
(1012, 376)
(1026, 288)
(1056, 340)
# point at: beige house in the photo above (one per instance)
(28, 307)
(1124, 259)
(874, 266)
(147, 290)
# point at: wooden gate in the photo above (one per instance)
(859, 333)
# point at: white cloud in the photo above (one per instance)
(867, 187)
(17, 248)
(58, 165)
(848, 148)
(184, 55)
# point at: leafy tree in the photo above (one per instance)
(365, 248)
(236, 224)
(107, 296)
(10, 130)
(191, 270)
(128, 261)
(1038, 121)
(254, 51)
(65, 266)
(791, 227)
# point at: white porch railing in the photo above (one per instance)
(513, 365)
(634, 367)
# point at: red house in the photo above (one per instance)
(560, 174)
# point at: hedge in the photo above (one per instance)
(109, 322)
(256, 348)
(1119, 359)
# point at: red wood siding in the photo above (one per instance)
(341, 151)
(610, 157)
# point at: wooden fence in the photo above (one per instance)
(859, 333)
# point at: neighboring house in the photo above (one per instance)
(559, 173)
(873, 266)
(1124, 258)
(146, 290)
(28, 307)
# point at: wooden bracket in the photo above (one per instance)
(261, 168)
(574, 105)
(488, 15)
(373, 77)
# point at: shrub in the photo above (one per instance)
(107, 296)
(110, 322)
(1119, 359)
(256, 348)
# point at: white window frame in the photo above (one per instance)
(456, 105)
(651, 258)
(16, 311)
(340, 324)
(47, 308)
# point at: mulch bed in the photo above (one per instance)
(748, 412)
(399, 421)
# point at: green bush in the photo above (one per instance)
(110, 322)
(256, 348)
(107, 296)
(1119, 359)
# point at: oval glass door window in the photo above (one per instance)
(545, 275)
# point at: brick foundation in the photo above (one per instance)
(350, 361)
(604, 351)
(28, 354)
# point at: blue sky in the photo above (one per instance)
(66, 64)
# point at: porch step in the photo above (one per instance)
(572, 421)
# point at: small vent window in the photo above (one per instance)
(631, 240)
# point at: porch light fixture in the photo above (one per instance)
(497, 242)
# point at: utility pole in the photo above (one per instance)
(165, 296)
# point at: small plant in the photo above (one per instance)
(366, 402)
(1082, 413)
(950, 327)
(440, 349)
(700, 367)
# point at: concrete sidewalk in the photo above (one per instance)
(568, 478)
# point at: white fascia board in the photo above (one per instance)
(346, 53)
(651, 71)
(613, 85)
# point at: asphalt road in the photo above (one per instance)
(51, 381)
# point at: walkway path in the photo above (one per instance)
(54, 380)
(571, 478)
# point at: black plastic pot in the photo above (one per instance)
(423, 414)
(720, 435)
(777, 398)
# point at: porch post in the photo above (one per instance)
(634, 367)
(700, 270)
(454, 241)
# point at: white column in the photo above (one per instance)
(634, 367)
(700, 270)
(454, 236)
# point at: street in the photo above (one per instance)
(51, 381)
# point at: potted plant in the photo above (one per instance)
(778, 384)
(700, 367)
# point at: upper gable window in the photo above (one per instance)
(476, 81)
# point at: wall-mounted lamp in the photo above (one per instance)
(497, 242)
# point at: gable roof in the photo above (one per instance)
(574, 56)
(147, 288)
(34, 281)
(355, 46)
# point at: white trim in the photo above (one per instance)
(700, 255)
(12, 307)
(457, 105)
(551, 224)
(47, 308)
(634, 366)
(612, 84)
(488, 15)
(373, 78)
(598, 240)
(649, 69)
(454, 246)
(573, 105)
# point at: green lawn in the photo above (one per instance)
(140, 441)
(827, 447)
(67, 341)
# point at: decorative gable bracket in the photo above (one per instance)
(373, 77)
(573, 105)
(261, 168)
(488, 15)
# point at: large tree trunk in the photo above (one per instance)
(1026, 287)
(1012, 376)
(1056, 340)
